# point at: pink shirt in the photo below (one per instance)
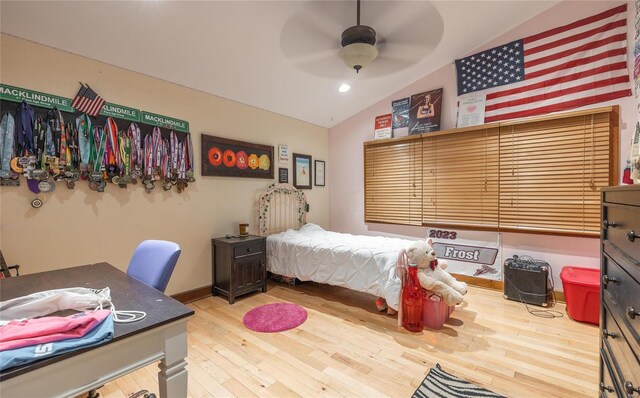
(23, 333)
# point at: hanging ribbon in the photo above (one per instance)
(98, 148)
(55, 129)
(148, 155)
(83, 125)
(175, 148)
(189, 157)
(7, 128)
(182, 166)
(112, 154)
(124, 142)
(164, 164)
(73, 155)
(136, 147)
(24, 131)
(39, 132)
(158, 149)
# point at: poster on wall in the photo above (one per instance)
(283, 154)
(400, 112)
(382, 127)
(472, 253)
(471, 111)
(425, 112)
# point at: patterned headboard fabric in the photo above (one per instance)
(281, 207)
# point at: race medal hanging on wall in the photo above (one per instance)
(97, 155)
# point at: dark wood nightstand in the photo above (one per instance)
(239, 265)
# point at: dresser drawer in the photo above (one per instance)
(608, 386)
(623, 293)
(623, 359)
(250, 249)
(623, 225)
(628, 196)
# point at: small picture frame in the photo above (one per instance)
(302, 171)
(319, 176)
(283, 175)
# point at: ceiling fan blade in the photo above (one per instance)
(408, 52)
(416, 23)
(315, 27)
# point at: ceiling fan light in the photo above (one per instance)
(358, 55)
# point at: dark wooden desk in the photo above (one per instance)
(161, 336)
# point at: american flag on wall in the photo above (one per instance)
(574, 65)
(87, 101)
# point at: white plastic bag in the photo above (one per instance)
(50, 301)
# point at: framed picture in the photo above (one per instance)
(231, 158)
(319, 176)
(424, 115)
(283, 175)
(301, 171)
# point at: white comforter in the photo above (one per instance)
(363, 263)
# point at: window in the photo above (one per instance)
(393, 181)
(551, 172)
(539, 175)
(460, 178)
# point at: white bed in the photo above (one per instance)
(310, 253)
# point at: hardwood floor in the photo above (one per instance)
(347, 348)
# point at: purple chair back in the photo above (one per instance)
(153, 262)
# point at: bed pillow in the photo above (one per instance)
(310, 227)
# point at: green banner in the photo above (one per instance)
(120, 112)
(165, 121)
(17, 94)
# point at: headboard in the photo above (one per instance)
(281, 207)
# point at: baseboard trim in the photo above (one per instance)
(496, 285)
(481, 282)
(205, 291)
(193, 295)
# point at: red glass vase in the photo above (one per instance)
(412, 302)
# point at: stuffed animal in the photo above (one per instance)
(432, 275)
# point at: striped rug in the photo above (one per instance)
(440, 384)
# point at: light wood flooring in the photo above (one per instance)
(347, 348)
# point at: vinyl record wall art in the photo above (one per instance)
(231, 158)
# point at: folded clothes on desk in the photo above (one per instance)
(101, 332)
(26, 332)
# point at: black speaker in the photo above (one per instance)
(527, 280)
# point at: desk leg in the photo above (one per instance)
(172, 378)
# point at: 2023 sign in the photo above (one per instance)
(440, 234)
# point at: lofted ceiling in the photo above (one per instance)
(276, 55)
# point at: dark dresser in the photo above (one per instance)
(620, 293)
(239, 266)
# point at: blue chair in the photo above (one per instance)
(153, 262)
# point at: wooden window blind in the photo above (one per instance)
(393, 181)
(460, 178)
(551, 172)
(539, 175)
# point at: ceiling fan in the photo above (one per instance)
(319, 37)
(358, 44)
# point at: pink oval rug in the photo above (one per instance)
(276, 317)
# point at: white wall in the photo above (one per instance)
(76, 227)
(346, 150)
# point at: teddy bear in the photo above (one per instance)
(431, 272)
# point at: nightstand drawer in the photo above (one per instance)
(250, 249)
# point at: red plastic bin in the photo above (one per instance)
(582, 293)
(435, 311)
